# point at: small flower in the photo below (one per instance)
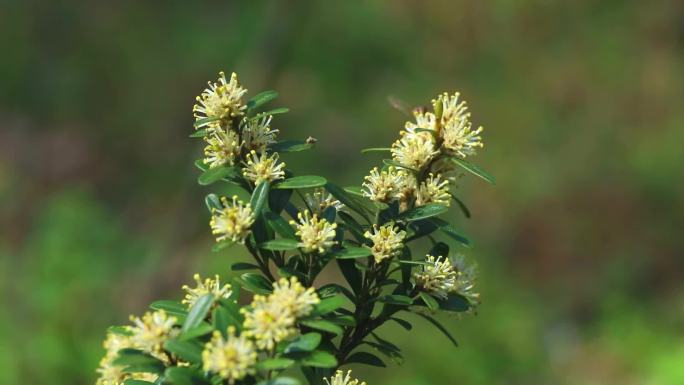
(268, 322)
(424, 120)
(414, 150)
(319, 200)
(465, 280)
(433, 190)
(222, 148)
(292, 294)
(437, 277)
(151, 331)
(383, 186)
(260, 167)
(458, 136)
(219, 103)
(340, 379)
(232, 358)
(387, 241)
(110, 373)
(258, 134)
(233, 221)
(316, 234)
(209, 286)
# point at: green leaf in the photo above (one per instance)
(440, 327)
(198, 331)
(474, 169)
(213, 202)
(275, 111)
(280, 244)
(290, 146)
(280, 225)
(329, 304)
(304, 181)
(215, 174)
(198, 312)
(259, 197)
(422, 212)
(350, 272)
(280, 381)
(396, 299)
(239, 266)
(353, 252)
(322, 325)
(440, 249)
(173, 308)
(405, 324)
(429, 301)
(375, 149)
(120, 330)
(199, 133)
(137, 382)
(199, 163)
(185, 376)
(449, 230)
(260, 99)
(461, 205)
(347, 200)
(201, 121)
(320, 359)
(355, 190)
(454, 303)
(188, 351)
(256, 283)
(365, 358)
(275, 364)
(304, 343)
(137, 361)
(218, 246)
(230, 190)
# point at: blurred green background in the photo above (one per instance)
(579, 244)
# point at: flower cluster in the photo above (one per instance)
(209, 286)
(425, 154)
(233, 221)
(341, 379)
(387, 240)
(316, 234)
(272, 318)
(440, 277)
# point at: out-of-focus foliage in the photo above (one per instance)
(579, 242)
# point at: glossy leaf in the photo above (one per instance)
(299, 182)
(353, 253)
(455, 303)
(239, 266)
(329, 304)
(322, 325)
(213, 202)
(473, 169)
(215, 174)
(185, 376)
(172, 308)
(347, 200)
(280, 225)
(188, 351)
(280, 244)
(320, 359)
(304, 343)
(422, 212)
(256, 283)
(429, 301)
(198, 331)
(449, 230)
(280, 381)
(365, 358)
(260, 99)
(198, 312)
(376, 149)
(275, 364)
(290, 146)
(396, 299)
(259, 197)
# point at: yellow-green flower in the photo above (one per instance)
(151, 331)
(424, 120)
(465, 280)
(268, 322)
(232, 358)
(383, 186)
(388, 241)
(233, 221)
(433, 190)
(209, 286)
(110, 374)
(456, 128)
(257, 134)
(219, 103)
(290, 293)
(436, 277)
(222, 148)
(319, 200)
(260, 167)
(316, 234)
(414, 150)
(341, 379)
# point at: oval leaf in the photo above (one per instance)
(473, 169)
(304, 343)
(259, 197)
(365, 358)
(323, 325)
(320, 359)
(304, 181)
(198, 312)
(290, 146)
(353, 252)
(215, 174)
(280, 245)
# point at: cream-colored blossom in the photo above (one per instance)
(383, 186)
(110, 374)
(456, 128)
(414, 150)
(465, 280)
(222, 148)
(257, 134)
(233, 221)
(388, 241)
(316, 234)
(268, 322)
(260, 167)
(341, 379)
(219, 103)
(433, 190)
(208, 286)
(436, 277)
(232, 358)
(320, 199)
(290, 293)
(424, 120)
(151, 331)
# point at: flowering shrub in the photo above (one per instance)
(370, 232)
